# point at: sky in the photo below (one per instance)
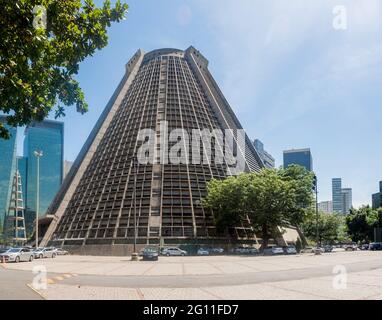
(292, 77)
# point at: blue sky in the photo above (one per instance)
(292, 79)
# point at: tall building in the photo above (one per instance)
(7, 170)
(302, 157)
(46, 136)
(164, 97)
(342, 197)
(337, 195)
(377, 198)
(268, 160)
(347, 200)
(22, 165)
(325, 206)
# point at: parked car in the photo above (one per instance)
(306, 250)
(328, 248)
(203, 252)
(216, 250)
(350, 247)
(2, 250)
(48, 252)
(375, 246)
(61, 252)
(290, 250)
(318, 250)
(173, 251)
(17, 255)
(273, 251)
(150, 253)
(364, 246)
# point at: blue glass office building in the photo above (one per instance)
(22, 166)
(7, 169)
(337, 197)
(302, 157)
(48, 137)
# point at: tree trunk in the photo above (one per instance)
(265, 236)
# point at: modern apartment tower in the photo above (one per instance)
(302, 157)
(110, 194)
(46, 136)
(268, 160)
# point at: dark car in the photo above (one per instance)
(364, 246)
(271, 251)
(150, 253)
(328, 248)
(290, 250)
(375, 246)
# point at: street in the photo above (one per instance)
(340, 275)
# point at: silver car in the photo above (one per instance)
(173, 251)
(40, 253)
(17, 255)
(61, 252)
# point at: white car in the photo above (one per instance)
(17, 255)
(203, 252)
(40, 253)
(61, 252)
(173, 251)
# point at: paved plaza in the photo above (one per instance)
(338, 275)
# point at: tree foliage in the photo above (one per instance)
(38, 61)
(270, 199)
(361, 223)
(330, 227)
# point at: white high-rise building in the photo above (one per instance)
(326, 206)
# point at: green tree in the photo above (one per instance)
(38, 60)
(270, 199)
(330, 227)
(361, 223)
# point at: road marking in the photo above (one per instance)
(59, 278)
(66, 275)
(50, 281)
(33, 289)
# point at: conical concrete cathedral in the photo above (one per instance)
(138, 175)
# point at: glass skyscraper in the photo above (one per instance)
(48, 137)
(377, 198)
(22, 165)
(7, 169)
(347, 200)
(302, 157)
(337, 195)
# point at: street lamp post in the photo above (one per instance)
(38, 155)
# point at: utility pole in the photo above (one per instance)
(317, 216)
(38, 155)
